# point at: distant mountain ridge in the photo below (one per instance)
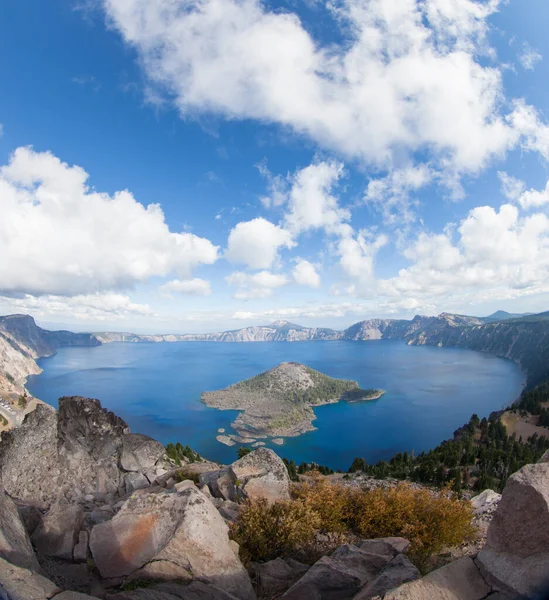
(523, 339)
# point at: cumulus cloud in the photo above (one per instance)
(256, 243)
(192, 287)
(305, 273)
(357, 255)
(60, 237)
(497, 251)
(258, 285)
(311, 204)
(407, 76)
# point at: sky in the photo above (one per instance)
(199, 165)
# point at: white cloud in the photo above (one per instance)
(406, 77)
(498, 253)
(277, 187)
(515, 190)
(256, 243)
(357, 255)
(390, 195)
(258, 285)
(305, 273)
(93, 307)
(58, 236)
(511, 187)
(192, 287)
(528, 57)
(311, 204)
(534, 133)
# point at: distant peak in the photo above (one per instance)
(280, 323)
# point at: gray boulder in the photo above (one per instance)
(486, 502)
(58, 532)
(15, 545)
(516, 556)
(183, 528)
(521, 523)
(135, 481)
(17, 583)
(460, 580)
(276, 576)
(140, 452)
(261, 474)
(339, 576)
(400, 570)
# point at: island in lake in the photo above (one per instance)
(279, 403)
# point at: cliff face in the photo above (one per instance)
(22, 342)
(522, 341)
(279, 331)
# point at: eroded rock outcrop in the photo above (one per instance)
(76, 454)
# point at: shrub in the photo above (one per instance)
(332, 502)
(242, 452)
(266, 531)
(429, 521)
(183, 475)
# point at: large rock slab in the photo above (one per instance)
(520, 525)
(261, 474)
(58, 532)
(201, 543)
(460, 580)
(17, 583)
(339, 576)
(184, 529)
(140, 452)
(400, 570)
(15, 545)
(136, 534)
(276, 576)
(515, 575)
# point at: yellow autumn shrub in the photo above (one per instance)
(430, 521)
(331, 501)
(265, 531)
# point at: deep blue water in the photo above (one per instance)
(156, 388)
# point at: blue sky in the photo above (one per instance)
(319, 162)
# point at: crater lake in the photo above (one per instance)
(156, 388)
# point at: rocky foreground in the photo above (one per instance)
(99, 512)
